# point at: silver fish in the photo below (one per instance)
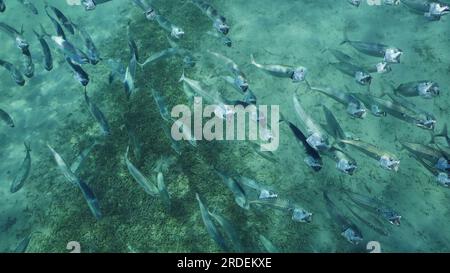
(23, 172)
(348, 229)
(219, 22)
(210, 227)
(296, 74)
(15, 73)
(149, 187)
(163, 193)
(97, 115)
(240, 196)
(79, 160)
(316, 136)
(48, 58)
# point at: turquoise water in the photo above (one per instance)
(51, 109)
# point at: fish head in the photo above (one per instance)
(383, 67)
(376, 111)
(354, 236)
(227, 41)
(177, 32)
(315, 164)
(221, 26)
(363, 78)
(428, 89)
(318, 142)
(84, 81)
(426, 121)
(299, 74)
(355, 3)
(443, 179)
(392, 55)
(346, 166)
(443, 164)
(392, 2)
(389, 163)
(438, 10)
(355, 110)
(241, 83)
(301, 215)
(150, 14)
(22, 43)
(393, 218)
(88, 4)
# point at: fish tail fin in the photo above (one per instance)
(183, 77)
(27, 145)
(252, 59)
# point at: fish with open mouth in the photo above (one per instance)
(299, 214)
(221, 38)
(153, 15)
(48, 58)
(376, 206)
(355, 107)
(348, 229)
(432, 10)
(219, 21)
(313, 158)
(317, 138)
(23, 172)
(380, 68)
(389, 54)
(423, 89)
(296, 74)
(15, 73)
(435, 156)
(399, 110)
(240, 80)
(358, 73)
(442, 178)
(386, 160)
(6, 118)
(344, 162)
(175, 31)
(20, 41)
